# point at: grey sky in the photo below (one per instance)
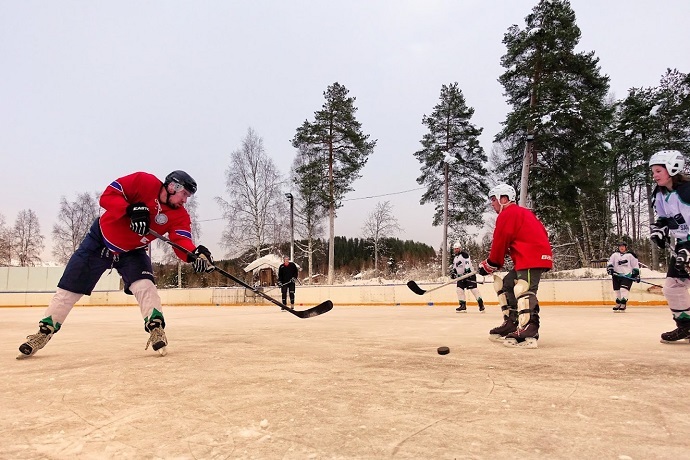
(90, 91)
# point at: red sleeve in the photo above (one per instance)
(503, 235)
(121, 193)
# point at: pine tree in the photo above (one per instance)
(337, 151)
(451, 156)
(557, 127)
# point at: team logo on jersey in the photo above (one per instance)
(161, 219)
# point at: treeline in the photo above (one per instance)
(353, 255)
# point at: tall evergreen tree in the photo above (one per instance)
(337, 151)
(558, 100)
(451, 156)
(309, 214)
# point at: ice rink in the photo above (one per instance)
(355, 383)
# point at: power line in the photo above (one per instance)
(347, 199)
(385, 194)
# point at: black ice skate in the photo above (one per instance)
(36, 341)
(498, 334)
(523, 337)
(481, 305)
(462, 308)
(679, 335)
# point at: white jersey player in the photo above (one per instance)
(462, 265)
(671, 197)
(624, 268)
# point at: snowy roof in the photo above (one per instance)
(268, 261)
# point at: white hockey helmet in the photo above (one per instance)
(457, 245)
(672, 160)
(501, 190)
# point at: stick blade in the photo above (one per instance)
(320, 309)
(415, 288)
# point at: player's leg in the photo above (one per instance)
(137, 274)
(626, 285)
(678, 298)
(284, 293)
(291, 289)
(527, 332)
(460, 291)
(504, 290)
(81, 274)
(616, 290)
(480, 302)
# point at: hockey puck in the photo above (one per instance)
(443, 350)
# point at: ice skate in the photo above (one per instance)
(617, 307)
(157, 338)
(462, 308)
(36, 341)
(498, 334)
(481, 305)
(523, 337)
(679, 335)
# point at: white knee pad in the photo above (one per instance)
(61, 304)
(676, 293)
(461, 293)
(498, 287)
(524, 299)
(147, 296)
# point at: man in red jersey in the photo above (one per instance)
(118, 239)
(522, 236)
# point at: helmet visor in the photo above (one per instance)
(179, 188)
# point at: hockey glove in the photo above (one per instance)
(682, 259)
(468, 270)
(658, 234)
(203, 261)
(139, 217)
(609, 270)
(453, 273)
(635, 275)
(486, 268)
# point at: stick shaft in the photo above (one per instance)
(227, 275)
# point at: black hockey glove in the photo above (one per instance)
(609, 270)
(453, 273)
(682, 259)
(203, 261)
(659, 233)
(139, 217)
(486, 268)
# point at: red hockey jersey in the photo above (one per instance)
(522, 236)
(141, 187)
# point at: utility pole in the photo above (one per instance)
(291, 199)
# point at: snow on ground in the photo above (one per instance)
(366, 279)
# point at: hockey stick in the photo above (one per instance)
(640, 281)
(320, 309)
(414, 287)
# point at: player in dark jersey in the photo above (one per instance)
(118, 239)
(287, 274)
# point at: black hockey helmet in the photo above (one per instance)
(622, 243)
(182, 178)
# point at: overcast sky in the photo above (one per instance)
(91, 91)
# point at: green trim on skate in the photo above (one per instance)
(683, 315)
(49, 322)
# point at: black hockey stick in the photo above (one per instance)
(320, 309)
(414, 287)
(638, 281)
